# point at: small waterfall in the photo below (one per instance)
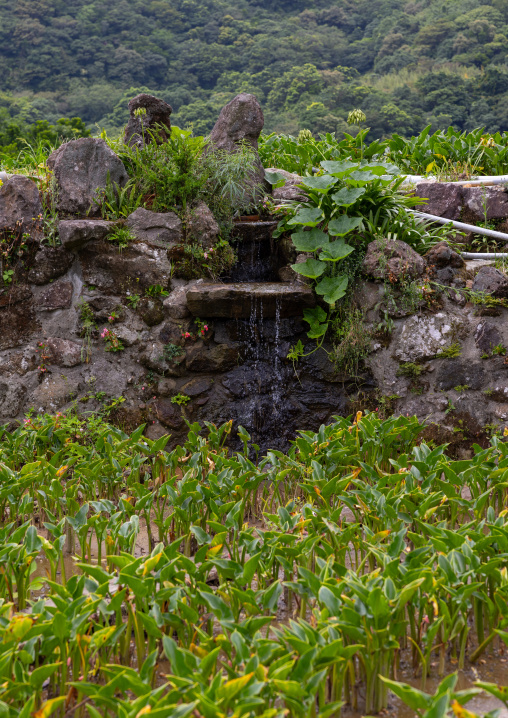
(261, 316)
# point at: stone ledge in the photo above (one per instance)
(243, 299)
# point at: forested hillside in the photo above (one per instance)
(406, 63)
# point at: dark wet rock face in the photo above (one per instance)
(81, 169)
(18, 322)
(258, 254)
(20, 207)
(149, 121)
(50, 263)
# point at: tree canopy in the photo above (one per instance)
(406, 63)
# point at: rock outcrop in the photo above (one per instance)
(149, 121)
(81, 169)
(240, 122)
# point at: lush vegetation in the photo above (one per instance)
(405, 63)
(447, 154)
(205, 583)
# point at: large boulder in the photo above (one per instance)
(490, 280)
(20, 207)
(150, 119)
(159, 228)
(81, 169)
(392, 259)
(175, 305)
(56, 296)
(442, 255)
(241, 121)
(487, 337)
(444, 199)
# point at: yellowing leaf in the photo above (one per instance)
(231, 688)
(151, 563)
(214, 551)
(49, 707)
(144, 711)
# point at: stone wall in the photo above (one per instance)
(56, 313)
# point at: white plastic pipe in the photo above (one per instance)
(462, 226)
(483, 181)
(483, 255)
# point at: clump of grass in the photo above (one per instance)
(450, 352)
(410, 370)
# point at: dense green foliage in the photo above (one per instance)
(448, 154)
(268, 589)
(405, 63)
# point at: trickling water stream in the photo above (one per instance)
(262, 317)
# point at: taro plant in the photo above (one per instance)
(339, 198)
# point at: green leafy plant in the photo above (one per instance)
(172, 351)
(410, 370)
(155, 290)
(450, 352)
(133, 300)
(121, 236)
(180, 399)
(113, 343)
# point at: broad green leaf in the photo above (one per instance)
(39, 675)
(412, 697)
(343, 224)
(500, 692)
(49, 707)
(309, 241)
(320, 183)
(348, 195)
(315, 315)
(364, 176)
(276, 179)
(312, 268)
(332, 288)
(335, 251)
(308, 217)
(338, 169)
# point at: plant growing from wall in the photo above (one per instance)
(340, 197)
(113, 342)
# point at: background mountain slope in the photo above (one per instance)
(404, 62)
